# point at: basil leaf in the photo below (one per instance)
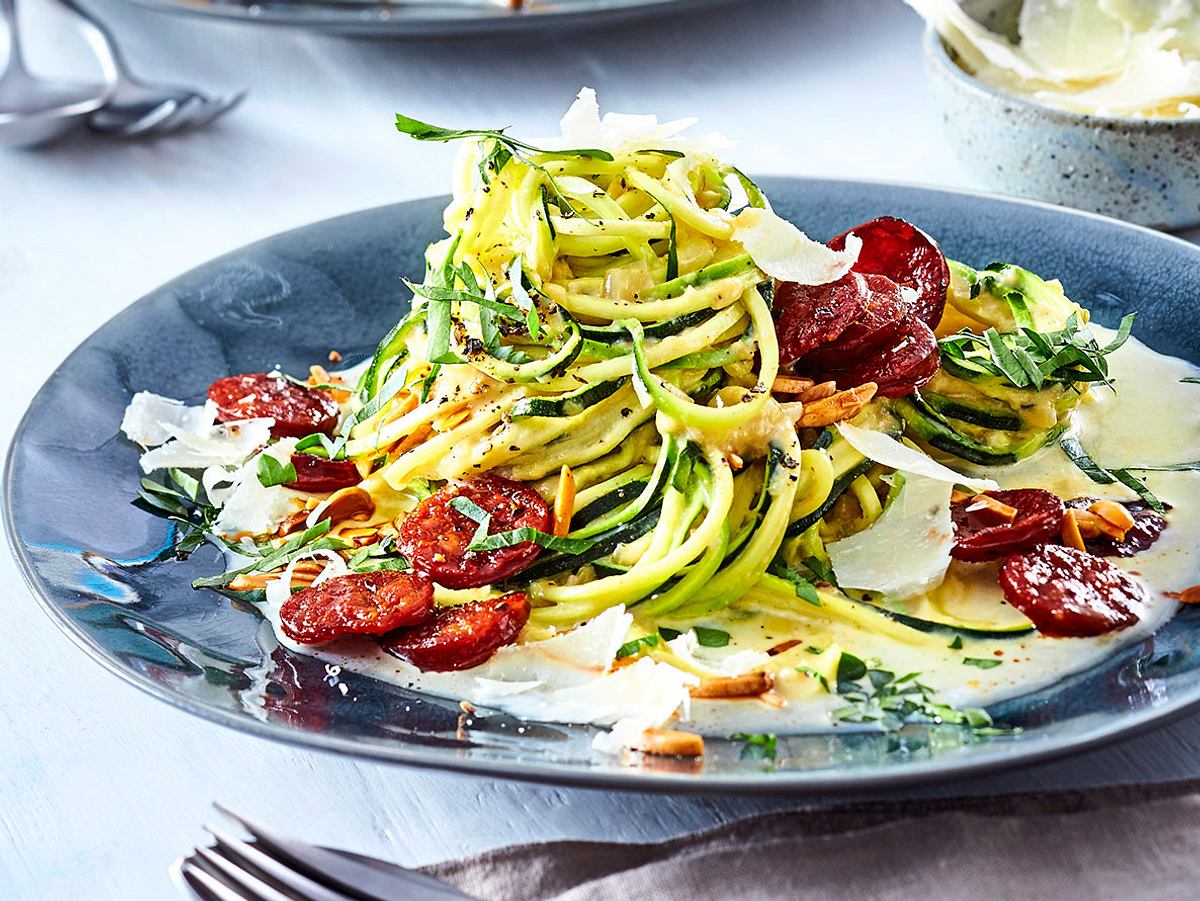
(981, 662)
(271, 472)
(636, 645)
(711, 638)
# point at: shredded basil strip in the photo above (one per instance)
(476, 513)
(1102, 476)
(311, 539)
(538, 537)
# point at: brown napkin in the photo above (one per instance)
(1121, 843)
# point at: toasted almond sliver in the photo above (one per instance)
(669, 743)
(1114, 514)
(991, 509)
(837, 407)
(818, 392)
(958, 497)
(790, 384)
(564, 502)
(747, 685)
(349, 503)
(1190, 595)
(1070, 531)
(783, 646)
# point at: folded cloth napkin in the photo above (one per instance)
(1126, 842)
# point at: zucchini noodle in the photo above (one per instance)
(597, 314)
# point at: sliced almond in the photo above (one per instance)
(837, 407)
(564, 502)
(1089, 523)
(416, 439)
(818, 392)
(1190, 595)
(992, 510)
(783, 646)
(403, 403)
(959, 497)
(668, 743)
(790, 384)
(348, 503)
(1071, 536)
(1115, 515)
(747, 685)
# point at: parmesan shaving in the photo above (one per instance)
(252, 507)
(887, 450)
(784, 252)
(582, 127)
(918, 520)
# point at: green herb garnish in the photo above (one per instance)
(757, 745)
(179, 500)
(711, 638)
(271, 472)
(538, 537)
(475, 513)
(1031, 359)
(637, 645)
(982, 662)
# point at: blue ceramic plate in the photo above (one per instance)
(422, 20)
(93, 560)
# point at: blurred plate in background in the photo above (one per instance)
(426, 18)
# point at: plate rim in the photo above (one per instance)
(789, 782)
(364, 18)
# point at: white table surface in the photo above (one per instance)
(101, 786)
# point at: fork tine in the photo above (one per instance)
(242, 852)
(205, 884)
(243, 879)
(183, 116)
(215, 107)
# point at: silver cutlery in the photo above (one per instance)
(138, 109)
(34, 110)
(275, 868)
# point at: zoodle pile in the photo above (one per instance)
(625, 383)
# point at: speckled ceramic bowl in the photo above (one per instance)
(1143, 171)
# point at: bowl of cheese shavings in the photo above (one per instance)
(1093, 104)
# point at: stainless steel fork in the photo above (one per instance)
(273, 867)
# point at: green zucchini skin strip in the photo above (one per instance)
(929, 625)
(651, 489)
(570, 404)
(951, 408)
(936, 432)
(606, 543)
(609, 333)
(724, 269)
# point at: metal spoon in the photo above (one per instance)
(136, 108)
(34, 111)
